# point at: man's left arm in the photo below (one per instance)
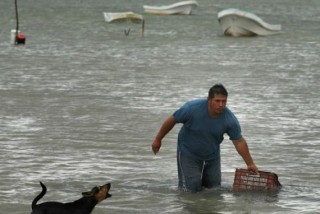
(243, 149)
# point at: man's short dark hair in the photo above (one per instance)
(217, 89)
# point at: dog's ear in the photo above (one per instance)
(87, 194)
(93, 192)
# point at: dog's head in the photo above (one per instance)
(99, 192)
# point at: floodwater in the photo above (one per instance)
(81, 104)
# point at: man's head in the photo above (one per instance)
(217, 89)
(217, 99)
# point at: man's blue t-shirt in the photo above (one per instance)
(201, 135)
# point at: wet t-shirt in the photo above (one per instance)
(201, 134)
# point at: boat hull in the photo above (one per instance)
(123, 17)
(240, 23)
(184, 8)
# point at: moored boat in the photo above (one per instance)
(183, 7)
(123, 17)
(235, 22)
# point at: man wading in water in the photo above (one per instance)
(205, 121)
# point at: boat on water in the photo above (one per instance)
(123, 17)
(183, 7)
(235, 22)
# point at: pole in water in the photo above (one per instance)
(18, 38)
(142, 29)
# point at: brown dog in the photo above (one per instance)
(84, 205)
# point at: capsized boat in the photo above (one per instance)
(123, 17)
(235, 22)
(183, 7)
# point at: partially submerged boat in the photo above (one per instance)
(183, 7)
(123, 17)
(235, 22)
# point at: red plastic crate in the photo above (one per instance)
(245, 180)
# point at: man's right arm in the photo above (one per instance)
(164, 130)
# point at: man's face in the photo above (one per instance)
(217, 104)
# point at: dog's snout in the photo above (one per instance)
(108, 195)
(108, 185)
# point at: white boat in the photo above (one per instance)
(123, 17)
(183, 7)
(235, 22)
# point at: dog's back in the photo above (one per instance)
(61, 208)
(50, 208)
